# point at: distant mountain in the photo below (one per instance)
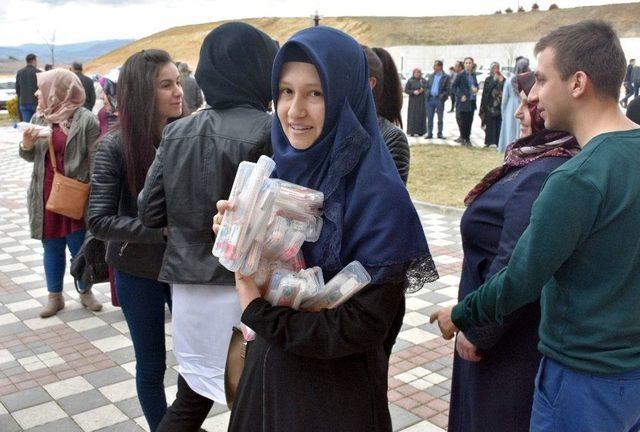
(64, 54)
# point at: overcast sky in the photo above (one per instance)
(33, 21)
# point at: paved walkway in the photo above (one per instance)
(75, 371)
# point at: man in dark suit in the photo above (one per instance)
(437, 93)
(26, 86)
(87, 83)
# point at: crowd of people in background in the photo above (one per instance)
(161, 160)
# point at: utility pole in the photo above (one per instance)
(316, 19)
(52, 46)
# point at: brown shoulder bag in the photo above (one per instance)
(68, 196)
(235, 365)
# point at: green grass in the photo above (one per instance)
(444, 174)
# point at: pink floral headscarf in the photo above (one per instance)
(60, 94)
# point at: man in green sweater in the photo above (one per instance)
(581, 252)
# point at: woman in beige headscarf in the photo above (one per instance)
(74, 132)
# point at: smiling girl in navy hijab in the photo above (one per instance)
(327, 370)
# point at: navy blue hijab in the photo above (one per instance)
(368, 214)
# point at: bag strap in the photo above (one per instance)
(52, 155)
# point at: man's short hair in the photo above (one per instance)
(592, 47)
(438, 62)
(76, 66)
(630, 60)
(30, 58)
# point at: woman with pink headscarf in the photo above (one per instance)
(74, 132)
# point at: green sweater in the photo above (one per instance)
(581, 256)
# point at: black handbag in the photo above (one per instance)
(89, 265)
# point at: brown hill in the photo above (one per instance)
(183, 43)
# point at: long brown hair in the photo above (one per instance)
(390, 103)
(138, 119)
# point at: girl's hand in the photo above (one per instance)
(29, 138)
(247, 290)
(222, 207)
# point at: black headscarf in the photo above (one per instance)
(235, 66)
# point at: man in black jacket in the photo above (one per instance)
(87, 83)
(438, 84)
(26, 86)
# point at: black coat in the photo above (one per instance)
(27, 85)
(496, 393)
(89, 91)
(319, 371)
(417, 110)
(113, 215)
(461, 87)
(398, 146)
(194, 168)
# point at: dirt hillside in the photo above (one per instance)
(183, 43)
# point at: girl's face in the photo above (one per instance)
(524, 115)
(168, 92)
(468, 65)
(300, 105)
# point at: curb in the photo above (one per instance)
(445, 210)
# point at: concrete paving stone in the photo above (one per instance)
(81, 402)
(401, 418)
(437, 391)
(123, 355)
(25, 399)
(85, 324)
(68, 387)
(8, 424)
(12, 369)
(112, 343)
(39, 415)
(13, 328)
(62, 425)
(68, 314)
(100, 418)
(401, 345)
(107, 376)
(423, 426)
(6, 357)
(131, 407)
(14, 297)
(119, 391)
(101, 332)
(127, 426)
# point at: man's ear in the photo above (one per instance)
(579, 83)
(372, 82)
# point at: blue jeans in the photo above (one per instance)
(142, 301)
(434, 106)
(27, 111)
(568, 400)
(55, 258)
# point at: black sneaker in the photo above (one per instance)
(429, 137)
(440, 136)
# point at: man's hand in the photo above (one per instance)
(222, 207)
(447, 327)
(463, 98)
(466, 349)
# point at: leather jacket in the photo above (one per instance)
(398, 146)
(195, 167)
(113, 215)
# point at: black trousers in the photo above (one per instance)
(465, 120)
(453, 101)
(187, 413)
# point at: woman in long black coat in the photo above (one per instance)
(491, 106)
(327, 370)
(417, 111)
(494, 367)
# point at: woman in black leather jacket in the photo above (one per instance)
(194, 168)
(387, 94)
(149, 94)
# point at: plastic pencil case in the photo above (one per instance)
(299, 198)
(43, 131)
(340, 288)
(236, 234)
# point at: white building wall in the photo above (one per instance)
(408, 57)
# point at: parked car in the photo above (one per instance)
(7, 92)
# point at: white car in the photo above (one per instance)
(7, 92)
